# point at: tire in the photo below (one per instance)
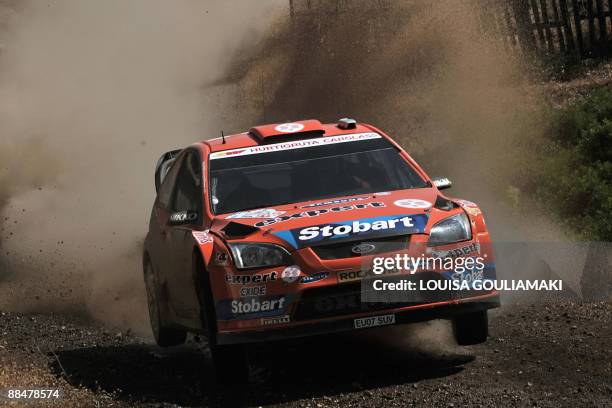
(471, 328)
(230, 361)
(164, 336)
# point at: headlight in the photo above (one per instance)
(449, 230)
(259, 255)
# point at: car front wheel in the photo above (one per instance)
(164, 336)
(230, 361)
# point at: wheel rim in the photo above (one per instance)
(154, 314)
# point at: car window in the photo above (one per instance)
(187, 189)
(167, 186)
(246, 181)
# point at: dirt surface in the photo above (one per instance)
(546, 355)
(563, 93)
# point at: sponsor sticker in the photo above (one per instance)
(275, 320)
(466, 203)
(441, 182)
(249, 291)
(412, 203)
(183, 216)
(469, 207)
(261, 213)
(316, 213)
(289, 127)
(257, 305)
(291, 273)
(251, 307)
(456, 252)
(251, 278)
(472, 211)
(298, 144)
(338, 201)
(374, 321)
(469, 276)
(202, 237)
(354, 276)
(360, 228)
(315, 277)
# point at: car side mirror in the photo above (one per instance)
(183, 217)
(442, 183)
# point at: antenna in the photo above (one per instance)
(223, 136)
(263, 96)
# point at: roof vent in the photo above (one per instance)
(291, 129)
(347, 123)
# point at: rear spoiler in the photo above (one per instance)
(163, 165)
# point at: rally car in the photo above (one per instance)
(261, 236)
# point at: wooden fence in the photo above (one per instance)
(581, 28)
(578, 28)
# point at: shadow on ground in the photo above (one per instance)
(280, 372)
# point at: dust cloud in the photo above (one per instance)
(435, 78)
(91, 93)
(425, 72)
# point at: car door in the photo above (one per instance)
(186, 199)
(158, 227)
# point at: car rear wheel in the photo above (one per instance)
(164, 336)
(230, 361)
(471, 328)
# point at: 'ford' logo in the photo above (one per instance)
(363, 249)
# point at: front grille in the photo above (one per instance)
(345, 299)
(345, 249)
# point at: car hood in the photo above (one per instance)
(336, 219)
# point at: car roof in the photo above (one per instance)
(266, 134)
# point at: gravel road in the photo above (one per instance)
(539, 354)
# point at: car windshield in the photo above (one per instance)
(269, 175)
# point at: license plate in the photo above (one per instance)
(374, 321)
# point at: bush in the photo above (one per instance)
(574, 177)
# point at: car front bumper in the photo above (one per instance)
(408, 314)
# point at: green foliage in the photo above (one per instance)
(573, 178)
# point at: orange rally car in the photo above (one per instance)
(264, 235)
